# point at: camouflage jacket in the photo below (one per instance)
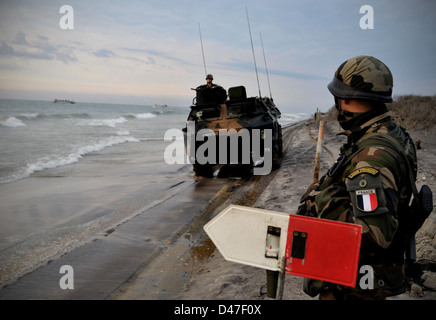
(369, 185)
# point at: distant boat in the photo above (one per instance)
(160, 106)
(63, 101)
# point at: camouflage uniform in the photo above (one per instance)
(368, 185)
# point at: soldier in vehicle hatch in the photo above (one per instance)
(210, 92)
(209, 79)
(209, 83)
(371, 182)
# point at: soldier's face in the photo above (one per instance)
(351, 107)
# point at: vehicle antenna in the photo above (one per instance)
(202, 50)
(252, 49)
(266, 67)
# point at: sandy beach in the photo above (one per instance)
(99, 188)
(179, 263)
(219, 279)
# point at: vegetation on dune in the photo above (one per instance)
(414, 112)
(410, 111)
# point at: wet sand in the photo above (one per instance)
(57, 210)
(108, 216)
(117, 257)
(219, 279)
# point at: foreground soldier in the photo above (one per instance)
(370, 183)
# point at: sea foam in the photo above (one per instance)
(145, 115)
(103, 122)
(55, 161)
(12, 122)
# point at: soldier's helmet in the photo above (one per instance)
(209, 76)
(363, 78)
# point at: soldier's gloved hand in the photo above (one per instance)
(313, 186)
(312, 287)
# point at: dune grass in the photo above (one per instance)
(410, 111)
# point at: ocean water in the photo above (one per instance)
(40, 135)
(69, 172)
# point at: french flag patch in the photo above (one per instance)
(367, 200)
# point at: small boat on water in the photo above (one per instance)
(157, 106)
(63, 101)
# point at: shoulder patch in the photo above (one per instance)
(366, 192)
(368, 170)
(366, 200)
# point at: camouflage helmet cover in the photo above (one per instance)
(209, 76)
(362, 78)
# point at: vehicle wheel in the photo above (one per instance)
(203, 170)
(277, 155)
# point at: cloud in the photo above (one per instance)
(40, 50)
(104, 53)
(20, 38)
(152, 54)
(297, 75)
(156, 44)
(249, 66)
(7, 50)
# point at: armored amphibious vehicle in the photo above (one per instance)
(233, 130)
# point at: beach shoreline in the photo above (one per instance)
(219, 279)
(198, 268)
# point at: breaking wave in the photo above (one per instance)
(146, 115)
(55, 161)
(36, 136)
(12, 122)
(103, 122)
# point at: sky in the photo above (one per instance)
(149, 52)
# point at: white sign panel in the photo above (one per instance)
(250, 236)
